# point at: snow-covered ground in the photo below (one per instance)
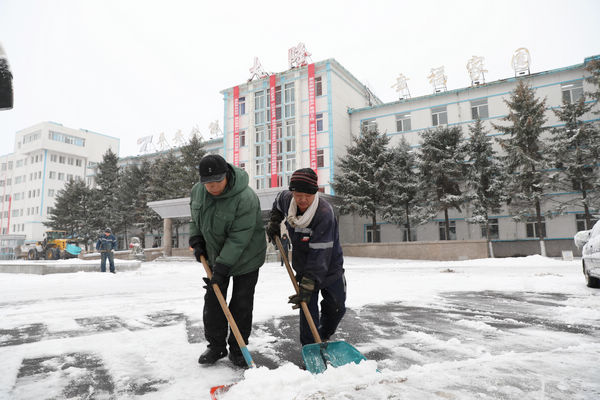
(517, 328)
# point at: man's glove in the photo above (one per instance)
(274, 226)
(307, 287)
(220, 274)
(199, 245)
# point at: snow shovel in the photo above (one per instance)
(319, 355)
(218, 390)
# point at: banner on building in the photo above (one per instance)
(236, 126)
(273, 131)
(312, 118)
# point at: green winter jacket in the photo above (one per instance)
(230, 223)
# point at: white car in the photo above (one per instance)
(589, 243)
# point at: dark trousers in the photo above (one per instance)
(333, 308)
(111, 260)
(240, 305)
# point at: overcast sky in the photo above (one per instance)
(130, 69)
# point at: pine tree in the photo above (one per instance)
(191, 154)
(145, 217)
(403, 187)
(106, 194)
(575, 149)
(485, 178)
(73, 210)
(365, 172)
(524, 158)
(442, 167)
(593, 68)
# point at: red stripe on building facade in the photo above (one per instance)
(312, 118)
(236, 126)
(272, 81)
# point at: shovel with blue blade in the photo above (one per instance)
(319, 355)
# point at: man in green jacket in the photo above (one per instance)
(227, 229)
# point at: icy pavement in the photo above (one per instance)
(523, 328)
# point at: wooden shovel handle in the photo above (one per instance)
(232, 324)
(309, 318)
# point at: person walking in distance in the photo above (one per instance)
(106, 245)
(317, 258)
(227, 229)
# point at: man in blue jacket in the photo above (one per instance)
(317, 257)
(106, 245)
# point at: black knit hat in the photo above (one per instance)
(304, 180)
(212, 168)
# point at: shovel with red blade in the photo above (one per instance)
(218, 390)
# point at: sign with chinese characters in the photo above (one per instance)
(476, 70)
(236, 126)
(272, 81)
(520, 61)
(297, 56)
(312, 118)
(162, 142)
(145, 144)
(438, 79)
(257, 70)
(402, 87)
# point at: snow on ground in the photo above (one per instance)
(515, 328)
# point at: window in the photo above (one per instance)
(532, 227)
(318, 86)
(242, 138)
(242, 105)
(452, 229)
(259, 107)
(289, 100)
(571, 92)
(78, 162)
(369, 125)
(290, 164)
(581, 223)
(61, 159)
(31, 137)
(243, 165)
(439, 116)
(50, 192)
(61, 137)
(61, 176)
(494, 231)
(52, 175)
(320, 158)
(70, 161)
(260, 134)
(479, 109)
(402, 122)
(319, 118)
(260, 150)
(260, 183)
(53, 157)
(373, 235)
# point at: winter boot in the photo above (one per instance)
(237, 359)
(212, 354)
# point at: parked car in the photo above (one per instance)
(589, 243)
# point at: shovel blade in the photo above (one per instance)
(318, 356)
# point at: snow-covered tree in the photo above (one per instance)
(106, 208)
(524, 158)
(575, 149)
(485, 177)
(6, 90)
(593, 68)
(403, 187)
(442, 168)
(364, 175)
(191, 153)
(73, 210)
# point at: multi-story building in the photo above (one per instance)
(47, 155)
(342, 106)
(299, 117)
(408, 118)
